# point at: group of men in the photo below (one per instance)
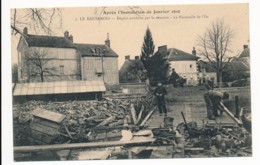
(212, 98)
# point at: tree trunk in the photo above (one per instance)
(42, 77)
(219, 78)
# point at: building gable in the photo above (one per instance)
(22, 43)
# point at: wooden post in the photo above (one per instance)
(133, 113)
(237, 107)
(130, 154)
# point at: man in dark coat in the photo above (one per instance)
(213, 100)
(159, 93)
(174, 77)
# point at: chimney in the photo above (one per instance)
(71, 38)
(245, 46)
(127, 57)
(66, 34)
(162, 49)
(25, 31)
(136, 57)
(107, 41)
(194, 51)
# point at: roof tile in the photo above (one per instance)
(48, 41)
(178, 55)
(95, 50)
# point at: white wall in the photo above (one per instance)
(186, 69)
(64, 60)
(92, 65)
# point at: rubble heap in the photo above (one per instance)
(83, 115)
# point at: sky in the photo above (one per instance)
(179, 28)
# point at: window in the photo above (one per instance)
(61, 69)
(190, 65)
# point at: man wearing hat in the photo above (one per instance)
(159, 93)
(213, 100)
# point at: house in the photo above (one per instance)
(206, 72)
(132, 70)
(98, 62)
(47, 58)
(54, 58)
(238, 68)
(245, 56)
(185, 64)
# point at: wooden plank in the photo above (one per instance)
(140, 114)
(146, 118)
(48, 115)
(44, 129)
(81, 145)
(46, 123)
(239, 122)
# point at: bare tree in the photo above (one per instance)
(39, 19)
(38, 64)
(214, 45)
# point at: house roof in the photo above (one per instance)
(237, 66)
(95, 50)
(48, 41)
(245, 53)
(58, 87)
(178, 55)
(124, 68)
(203, 64)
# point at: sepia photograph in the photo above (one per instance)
(127, 82)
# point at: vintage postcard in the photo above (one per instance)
(131, 82)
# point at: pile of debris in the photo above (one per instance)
(82, 116)
(216, 140)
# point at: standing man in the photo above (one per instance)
(159, 93)
(174, 77)
(213, 100)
